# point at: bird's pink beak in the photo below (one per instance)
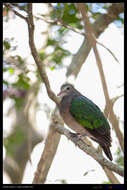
(59, 94)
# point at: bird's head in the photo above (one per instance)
(65, 90)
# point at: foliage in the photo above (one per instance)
(68, 13)
(16, 138)
(16, 88)
(56, 56)
(17, 67)
(106, 182)
(120, 158)
(6, 45)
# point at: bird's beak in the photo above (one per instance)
(59, 94)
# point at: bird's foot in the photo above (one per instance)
(76, 135)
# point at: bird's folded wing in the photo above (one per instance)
(88, 114)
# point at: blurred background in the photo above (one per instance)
(27, 108)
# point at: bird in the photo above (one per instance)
(84, 117)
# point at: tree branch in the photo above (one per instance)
(17, 13)
(112, 178)
(92, 41)
(115, 123)
(116, 98)
(47, 156)
(103, 164)
(89, 33)
(36, 57)
(98, 27)
(34, 52)
(54, 98)
(89, 150)
(60, 23)
(107, 50)
(53, 138)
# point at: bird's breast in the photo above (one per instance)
(70, 120)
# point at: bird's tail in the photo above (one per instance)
(107, 151)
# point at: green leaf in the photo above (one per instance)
(62, 30)
(6, 45)
(13, 140)
(63, 181)
(20, 60)
(42, 54)
(67, 12)
(120, 159)
(58, 54)
(5, 82)
(51, 42)
(106, 182)
(5, 69)
(52, 68)
(95, 15)
(11, 70)
(22, 82)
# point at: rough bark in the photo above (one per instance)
(89, 150)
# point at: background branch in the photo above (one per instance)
(109, 110)
(92, 41)
(98, 27)
(112, 178)
(60, 23)
(17, 13)
(53, 137)
(47, 156)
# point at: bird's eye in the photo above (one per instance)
(68, 88)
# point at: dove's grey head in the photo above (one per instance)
(66, 89)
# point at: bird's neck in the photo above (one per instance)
(68, 98)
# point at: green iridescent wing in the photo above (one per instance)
(92, 119)
(87, 113)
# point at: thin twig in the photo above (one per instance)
(107, 50)
(18, 6)
(119, 86)
(91, 38)
(60, 23)
(34, 52)
(88, 149)
(17, 13)
(116, 98)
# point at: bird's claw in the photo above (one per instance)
(76, 135)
